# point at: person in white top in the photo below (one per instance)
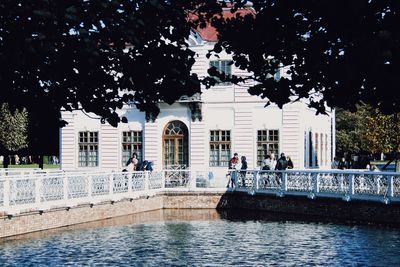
(273, 161)
(266, 163)
(131, 167)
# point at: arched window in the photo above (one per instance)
(175, 145)
(175, 128)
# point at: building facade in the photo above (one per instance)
(202, 132)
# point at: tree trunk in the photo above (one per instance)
(397, 140)
(40, 158)
(6, 161)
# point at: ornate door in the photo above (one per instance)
(175, 145)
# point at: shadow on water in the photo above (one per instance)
(244, 207)
(244, 215)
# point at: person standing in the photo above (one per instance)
(273, 161)
(243, 170)
(233, 161)
(134, 156)
(132, 163)
(282, 163)
(266, 163)
(335, 163)
(348, 161)
(232, 170)
(342, 164)
(290, 163)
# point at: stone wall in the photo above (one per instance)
(320, 208)
(29, 222)
(192, 200)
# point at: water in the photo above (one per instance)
(389, 168)
(206, 238)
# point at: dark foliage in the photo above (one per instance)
(97, 55)
(347, 50)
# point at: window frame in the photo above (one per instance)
(132, 143)
(221, 142)
(89, 142)
(266, 143)
(317, 152)
(222, 69)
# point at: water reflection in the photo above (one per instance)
(206, 238)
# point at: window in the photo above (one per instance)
(316, 150)
(277, 75)
(267, 143)
(310, 149)
(222, 66)
(175, 143)
(322, 157)
(131, 142)
(220, 148)
(88, 149)
(326, 149)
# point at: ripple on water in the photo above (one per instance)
(214, 242)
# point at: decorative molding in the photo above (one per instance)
(151, 116)
(196, 111)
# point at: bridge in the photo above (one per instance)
(37, 190)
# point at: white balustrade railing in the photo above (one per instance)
(348, 185)
(43, 190)
(11, 172)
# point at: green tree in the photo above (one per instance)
(13, 131)
(368, 130)
(351, 131)
(382, 134)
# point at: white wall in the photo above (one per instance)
(77, 121)
(320, 124)
(224, 108)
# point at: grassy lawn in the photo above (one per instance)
(31, 166)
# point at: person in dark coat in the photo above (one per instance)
(243, 170)
(342, 164)
(145, 166)
(290, 163)
(282, 163)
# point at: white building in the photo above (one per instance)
(202, 132)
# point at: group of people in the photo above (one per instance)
(283, 163)
(23, 160)
(237, 167)
(133, 164)
(343, 164)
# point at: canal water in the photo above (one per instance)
(206, 238)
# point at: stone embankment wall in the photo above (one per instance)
(33, 221)
(329, 209)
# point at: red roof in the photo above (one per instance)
(209, 33)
